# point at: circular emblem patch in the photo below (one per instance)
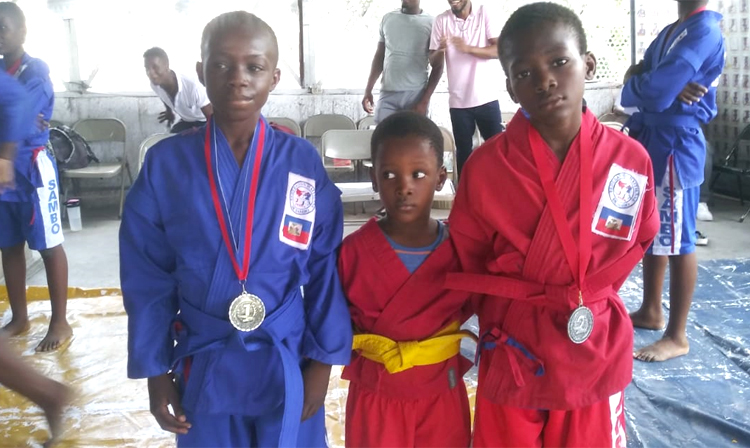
(302, 198)
(623, 190)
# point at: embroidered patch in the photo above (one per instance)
(297, 230)
(298, 220)
(623, 190)
(619, 204)
(302, 197)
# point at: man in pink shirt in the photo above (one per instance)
(467, 35)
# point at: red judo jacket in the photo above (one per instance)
(385, 299)
(510, 251)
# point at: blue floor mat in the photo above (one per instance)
(701, 399)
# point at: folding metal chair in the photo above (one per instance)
(732, 166)
(95, 130)
(286, 122)
(146, 144)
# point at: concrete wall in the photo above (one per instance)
(139, 113)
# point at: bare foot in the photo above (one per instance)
(647, 320)
(662, 350)
(53, 411)
(58, 333)
(16, 327)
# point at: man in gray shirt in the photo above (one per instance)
(403, 59)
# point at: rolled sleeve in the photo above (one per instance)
(147, 265)
(328, 335)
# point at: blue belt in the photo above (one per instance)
(640, 119)
(207, 332)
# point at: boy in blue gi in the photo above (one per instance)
(231, 226)
(30, 212)
(16, 117)
(690, 53)
(13, 108)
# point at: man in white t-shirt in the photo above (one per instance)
(467, 35)
(402, 58)
(182, 95)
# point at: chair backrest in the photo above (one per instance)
(317, 125)
(449, 148)
(146, 144)
(732, 155)
(367, 122)
(347, 144)
(613, 117)
(745, 134)
(287, 122)
(614, 125)
(449, 145)
(101, 129)
(507, 116)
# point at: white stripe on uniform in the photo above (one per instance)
(49, 202)
(669, 200)
(617, 419)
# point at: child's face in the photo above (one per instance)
(11, 35)
(157, 70)
(547, 73)
(239, 71)
(406, 174)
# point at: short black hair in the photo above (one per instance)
(156, 52)
(533, 17)
(15, 13)
(407, 124)
(238, 19)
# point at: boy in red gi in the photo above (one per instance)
(406, 385)
(550, 218)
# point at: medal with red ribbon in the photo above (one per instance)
(13, 69)
(581, 321)
(247, 311)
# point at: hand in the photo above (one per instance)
(692, 93)
(421, 107)
(162, 392)
(368, 102)
(41, 123)
(443, 43)
(7, 175)
(167, 116)
(315, 377)
(459, 44)
(634, 70)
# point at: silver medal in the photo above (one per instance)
(247, 312)
(580, 324)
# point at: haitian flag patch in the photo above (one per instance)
(613, 223)
(619, 203)
(297, 230)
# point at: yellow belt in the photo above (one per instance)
(400, 356)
